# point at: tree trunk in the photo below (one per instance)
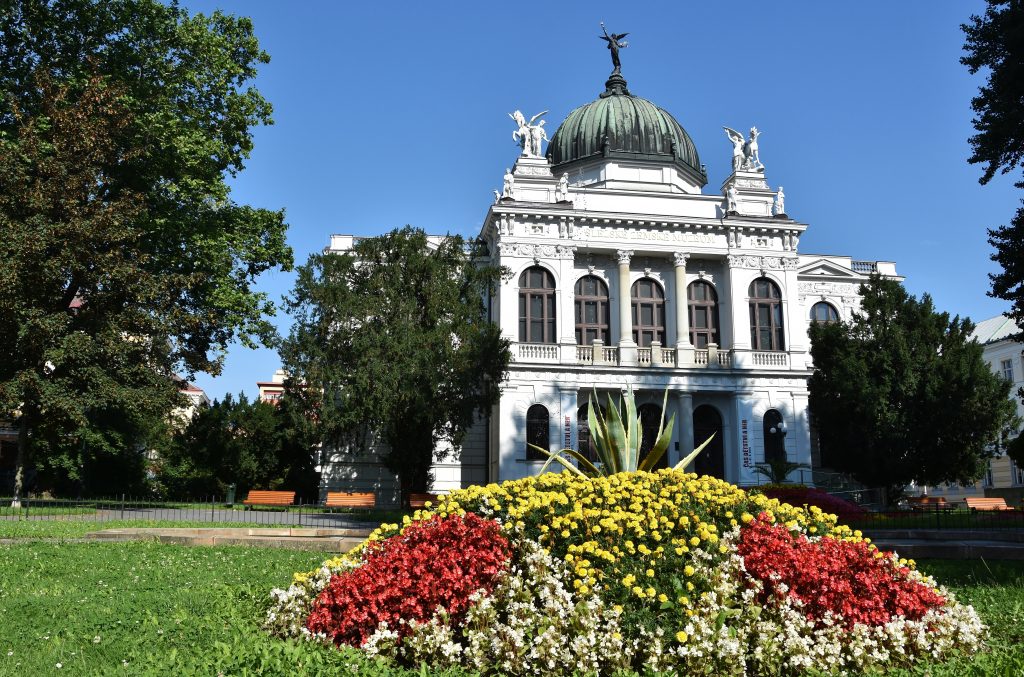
(20, 461)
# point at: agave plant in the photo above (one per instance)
(777, 470)
(618, 441)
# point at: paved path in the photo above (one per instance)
(1007, 544)
(241, 517)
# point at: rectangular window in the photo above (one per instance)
(988, 475)
(1017, 473)
(1008, 370)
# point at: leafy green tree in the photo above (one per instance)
(393, 340)
(901, 393)
(126, 261)
(995, 44)
(254, 445)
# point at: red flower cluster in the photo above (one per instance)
(832, 575)
(438, 562)
(800, 496)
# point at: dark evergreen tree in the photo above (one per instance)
(995, 44)
(901, 393)
(392, 342)
(254, 445)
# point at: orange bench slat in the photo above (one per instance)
(420, 500)
(987, 504)
(343, 499)
(270, 498)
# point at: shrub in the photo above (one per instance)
(800, 495)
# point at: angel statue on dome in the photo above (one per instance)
(615, 43)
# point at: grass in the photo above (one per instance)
(144, 608)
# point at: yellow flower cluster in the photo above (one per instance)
(630, 534)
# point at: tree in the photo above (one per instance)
(393, 340)
(254, 445)
(995, 42)
(126, 261)
(901, 393)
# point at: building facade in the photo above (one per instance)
(626, 274)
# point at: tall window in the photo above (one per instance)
(1017, 472)
(592, 314)
(824, 313)
(703, 308)
(536, 306)
(648, 312)
(537, 432)
(766, 316)
(774, 436)
(1007, 367)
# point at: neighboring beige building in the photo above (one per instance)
(1004, 477)
(272, 390)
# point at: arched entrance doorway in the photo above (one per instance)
(707, 421)
(650, 421)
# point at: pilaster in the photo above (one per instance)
(684, 426)
(627, 346)
(684, 349)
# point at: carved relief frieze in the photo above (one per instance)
(528, 250)
(827, 289)
(751, 183)
(762, 262)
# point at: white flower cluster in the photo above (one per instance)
(531, 624)
(289, 608)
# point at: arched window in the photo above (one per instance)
(648, 312)
(537, 432)
(650, 421)
(824, 313)
(774, 436)
(592, 314)
(703, 308)
(536, 306)
(766, 329)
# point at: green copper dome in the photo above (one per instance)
(622, 126)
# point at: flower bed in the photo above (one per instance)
(665, 570)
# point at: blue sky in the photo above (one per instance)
(390, 114)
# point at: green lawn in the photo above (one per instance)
(142, 608)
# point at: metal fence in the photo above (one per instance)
(956, 518)
(211, 509)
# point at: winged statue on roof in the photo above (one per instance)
(615, 43)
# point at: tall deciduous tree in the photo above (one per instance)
(995, 44)
(901, 393)
(393, 339)
(125, 258)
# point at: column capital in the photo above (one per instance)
(623, 256)
(680, 259)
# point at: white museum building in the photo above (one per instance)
(627, 274)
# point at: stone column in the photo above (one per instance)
(684, 424)
(684, 349)
(627, 346)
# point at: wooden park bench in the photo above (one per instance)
(928, 503)
(987, 504)
(345, 499)
(276, 498)
(420, 500)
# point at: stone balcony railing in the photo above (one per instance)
(653, 357)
